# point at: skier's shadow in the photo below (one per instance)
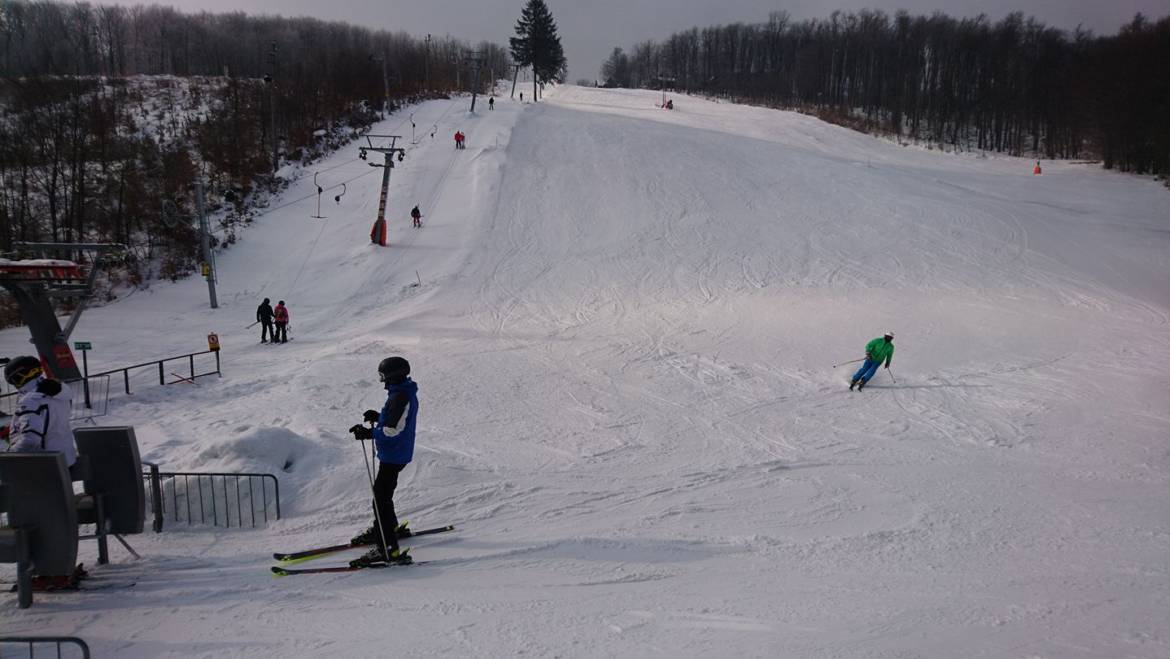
(927, 386)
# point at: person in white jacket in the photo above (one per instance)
(41, 423)
(43, 409)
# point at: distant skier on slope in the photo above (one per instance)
(459, 137)
(416, 217)
(281, 316)
(393, 435)
(264, 317)
(881, 348)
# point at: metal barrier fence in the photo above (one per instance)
(97, 386)
(31, 643)
(92, 386)
(219, 499)
(160, 366)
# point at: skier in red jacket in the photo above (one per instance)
(280, 315)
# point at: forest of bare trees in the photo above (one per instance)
(107, 112)
(1014, 86)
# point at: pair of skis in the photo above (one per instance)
(295, 557)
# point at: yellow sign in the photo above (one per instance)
(212, 341)
(206, 269)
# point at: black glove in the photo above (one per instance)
(370, 416)
(361, 432)
(49, 387)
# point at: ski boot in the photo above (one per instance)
(853, 384)
(51, 582)
(376, 558)
(368, 537)
(860, 385)
(403, 531)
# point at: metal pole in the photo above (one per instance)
(205, 232)
(385, 89)
(272, 106)
(385, 185)
(85, 377)
(427, 65)
(476, 60)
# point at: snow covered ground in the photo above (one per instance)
(623, 322)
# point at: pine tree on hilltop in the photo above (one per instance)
(537, 44)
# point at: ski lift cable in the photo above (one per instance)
(348, 162)
(321, 231)
(308, 253)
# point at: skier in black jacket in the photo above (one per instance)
(264, 317)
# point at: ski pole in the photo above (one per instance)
(892, 375)
(374, 494)
(252, 325)
(850, 362)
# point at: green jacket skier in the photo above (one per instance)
(876, 351)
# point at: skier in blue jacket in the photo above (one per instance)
(393, 435)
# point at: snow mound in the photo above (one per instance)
(267, 450)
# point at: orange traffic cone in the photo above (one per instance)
(1036, 169)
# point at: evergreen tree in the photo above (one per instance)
(616, 69)
(537, 44)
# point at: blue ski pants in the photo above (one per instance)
(867, 370)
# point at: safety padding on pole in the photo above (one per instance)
(378, 233)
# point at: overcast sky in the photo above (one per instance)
(591, 28)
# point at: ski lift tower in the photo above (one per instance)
(388, 152)
(36, 283)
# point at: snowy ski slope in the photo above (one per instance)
(623, 322)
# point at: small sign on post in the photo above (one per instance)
(84, 347)
(213, 342)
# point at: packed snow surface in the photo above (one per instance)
(623, 322)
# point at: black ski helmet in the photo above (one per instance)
(393, 369)
(22, 369)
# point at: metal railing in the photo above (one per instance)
(219, 499)
(160, 364)
(92, 381)
(97, 387)
(31, 643)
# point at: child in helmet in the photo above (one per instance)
(393, 434)
(41, 423)
(43, 408)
